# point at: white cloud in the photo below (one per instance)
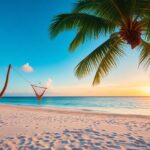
(48, 83)
(27, 68)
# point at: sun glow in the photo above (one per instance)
(147, 90)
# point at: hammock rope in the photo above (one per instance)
(39, 95)
(25, 79)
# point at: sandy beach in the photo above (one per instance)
(39, 128)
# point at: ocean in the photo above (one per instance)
(117, 105)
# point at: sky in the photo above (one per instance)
(25, 43)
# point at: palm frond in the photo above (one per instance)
(87, 6)
(90, 18)
(104, 54)
(142, 8)
(146, 27)
(80, 38)
(100, 8)
(90, 23)
(109, 61)
(113, 10)
(145, 54)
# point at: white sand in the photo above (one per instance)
(33, 128)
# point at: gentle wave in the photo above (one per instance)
(119, 105)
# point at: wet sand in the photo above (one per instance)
(44, 129)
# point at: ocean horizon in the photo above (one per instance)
(138, 105)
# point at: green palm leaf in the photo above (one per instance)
(91, 18)
(80, 20)
(146, 27)
(80, 38)
(101, 8)
(103, 57)
(142, 7)
(114, 10)
(145, 54)
(88, 26)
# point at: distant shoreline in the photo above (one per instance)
(73, 96)
(102, 105)
(71, 111)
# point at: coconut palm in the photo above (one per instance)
(125, 21)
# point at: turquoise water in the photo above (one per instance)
(119, 105)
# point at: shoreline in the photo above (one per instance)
(72, 111)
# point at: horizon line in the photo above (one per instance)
(76, 96)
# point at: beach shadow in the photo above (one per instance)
(77, 139)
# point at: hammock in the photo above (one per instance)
(6, 82)
(38, 90)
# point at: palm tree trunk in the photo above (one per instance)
(6, 82)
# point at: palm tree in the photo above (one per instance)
(125, 21)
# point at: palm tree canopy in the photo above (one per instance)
(126, 21)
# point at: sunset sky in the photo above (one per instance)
(25, 41)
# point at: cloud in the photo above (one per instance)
(27, 68)
(48, 83)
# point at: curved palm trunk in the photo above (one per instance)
(6, 82)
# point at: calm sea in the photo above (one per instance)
(119, 105)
